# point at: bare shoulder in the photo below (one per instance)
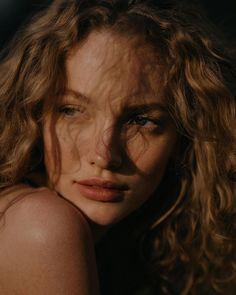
(27, 208)
(41, 233)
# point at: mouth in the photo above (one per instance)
(101, 190)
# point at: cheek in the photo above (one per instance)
(151, 165)
(56, 138)
(63, 147)
(152, 157)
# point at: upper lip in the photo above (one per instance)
(98, 182)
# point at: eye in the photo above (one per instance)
(145, 121)
(69, 110)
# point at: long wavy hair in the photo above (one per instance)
(190, 248)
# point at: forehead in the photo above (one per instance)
(113, 66)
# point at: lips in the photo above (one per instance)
(101, 190)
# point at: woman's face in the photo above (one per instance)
(114, 134)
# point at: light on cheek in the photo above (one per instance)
(153, 159)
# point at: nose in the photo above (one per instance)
(106, 151)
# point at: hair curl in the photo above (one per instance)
(194, 248)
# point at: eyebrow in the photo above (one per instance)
(145, 107)
(76, 94)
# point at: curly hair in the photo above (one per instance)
(190, 247)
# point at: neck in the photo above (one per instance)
(98, 231)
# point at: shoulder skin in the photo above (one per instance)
(46, 247)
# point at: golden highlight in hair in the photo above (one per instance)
(192, 244)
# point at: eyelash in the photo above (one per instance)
(69, 111)
(138, 120)
(142, 120)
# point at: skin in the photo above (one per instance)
(98, 134)
(46, 246)
(46, 232)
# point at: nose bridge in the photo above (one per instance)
(104, 138)
(106, 149)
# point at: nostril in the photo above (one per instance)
(105, 151)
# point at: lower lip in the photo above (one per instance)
(100, 193)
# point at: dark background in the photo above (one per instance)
(15, 12)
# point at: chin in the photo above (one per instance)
(104, 219)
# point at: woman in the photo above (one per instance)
(117, 130)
